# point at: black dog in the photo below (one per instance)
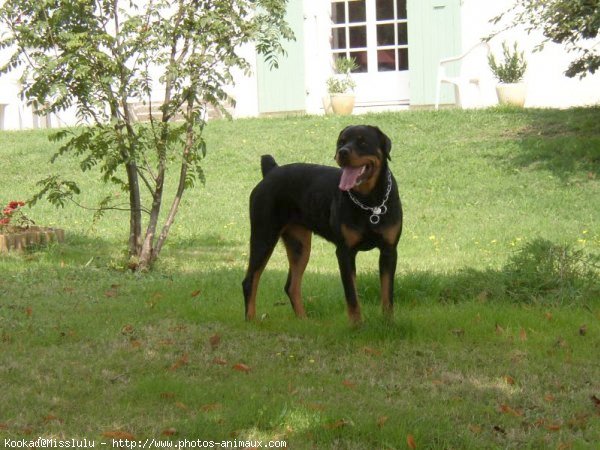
(357, 208)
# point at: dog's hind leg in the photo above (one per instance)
(297, 240)
(262, 243)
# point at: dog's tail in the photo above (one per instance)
(267, 163)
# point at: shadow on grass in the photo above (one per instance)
(564, 142)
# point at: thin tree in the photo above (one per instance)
(100, 56)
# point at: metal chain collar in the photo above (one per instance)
(376, 211)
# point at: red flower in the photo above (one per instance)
(4, 221)
(15, 204)
(7, 211)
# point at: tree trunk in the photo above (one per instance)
(135, 214)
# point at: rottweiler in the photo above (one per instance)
(356, 207)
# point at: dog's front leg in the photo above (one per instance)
(347, 263)
(388, 257)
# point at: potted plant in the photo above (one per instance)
(340, 87)
(511, 89)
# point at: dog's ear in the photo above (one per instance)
(342, 132)
(385, 143)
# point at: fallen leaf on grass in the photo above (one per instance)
(52, 418)
(211, 407)
(219, 361)
(371, 351)
(241, 367)
(509, 380)
(505, 409)
(548, 316)
(127, 329)
(167, 395)
(180, 362)
(499, 329)
(341, 423)
(553, 427)
(181, 406)
(196, 293)
(596, 401)
(549, 398)
(381, 420)
(214, 341)
(349, 384)
(410, 441)
(583, 330)
(169, 432)
(28, 311)
(119, 435)
(523, 334)
(3, 426)
(475, 429)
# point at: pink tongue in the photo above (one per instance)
(349, 177)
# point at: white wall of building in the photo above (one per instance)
(547, 85)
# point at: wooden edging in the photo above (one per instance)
(32, 236)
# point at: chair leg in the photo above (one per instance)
(437, 95)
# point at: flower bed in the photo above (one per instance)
(20, 239)
(18, 232)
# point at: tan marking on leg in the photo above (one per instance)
(298, 263)
(386, 302)
(391, 234)
(251, 311)
(351, 237)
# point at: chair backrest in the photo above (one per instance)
(470, 63)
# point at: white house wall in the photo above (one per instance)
(547, 86)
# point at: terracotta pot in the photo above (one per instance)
(342, 104)
(511, 94)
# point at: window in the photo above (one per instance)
(349, 31)
(373, 32)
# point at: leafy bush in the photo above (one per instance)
(512, 69)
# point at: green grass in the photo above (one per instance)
(497, 326)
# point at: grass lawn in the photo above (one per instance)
(497, 329)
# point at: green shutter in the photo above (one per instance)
(433, 34)
(283, 89)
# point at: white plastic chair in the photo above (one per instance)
(462, 82)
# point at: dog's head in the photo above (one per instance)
(361, 152)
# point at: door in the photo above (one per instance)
(434, 33)
(375, 34)
(283, 89)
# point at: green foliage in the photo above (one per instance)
(544, 270)
(342, 82)
(101, 56)
(512, 69)
(573, 23)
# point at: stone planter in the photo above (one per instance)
(20, 239)
(342, 104)
(511, 94)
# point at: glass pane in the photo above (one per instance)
(402, 34)
(338, 14)
(361, 61)
(358, 36)
(357, 11)
(386, 60)
(385, 34)
(385, 9)
(401, 8)
(338, 38)
(402, 59)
